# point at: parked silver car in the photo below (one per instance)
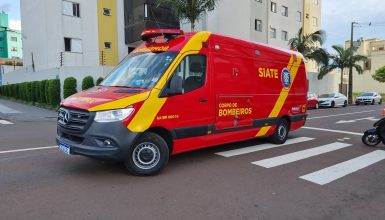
(369, 98)
(333, 100)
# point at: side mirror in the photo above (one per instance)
(176, 87)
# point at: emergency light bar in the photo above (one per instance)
(167, 33)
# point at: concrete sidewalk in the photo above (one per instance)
(14, 111)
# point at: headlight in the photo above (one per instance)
(113, 115)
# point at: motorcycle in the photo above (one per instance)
(375, 135)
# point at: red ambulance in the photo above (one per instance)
(179, 92)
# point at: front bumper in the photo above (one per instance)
(364, 101)
(93, 142)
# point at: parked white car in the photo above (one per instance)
(333, 100)
(369, 98)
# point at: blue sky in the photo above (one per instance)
(337, 16)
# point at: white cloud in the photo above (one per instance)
(15, 24)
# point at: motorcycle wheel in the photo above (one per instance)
(371, 140)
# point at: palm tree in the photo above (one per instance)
(308, 44)
(192, 10)
(342, 59)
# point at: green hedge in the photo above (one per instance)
(69, 87)
(99, 80)
(44, 92)
(53, 92)
(88, 82)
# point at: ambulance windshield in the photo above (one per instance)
(140, 70)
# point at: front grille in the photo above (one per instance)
(73, 119)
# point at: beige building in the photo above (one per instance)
(374, 49)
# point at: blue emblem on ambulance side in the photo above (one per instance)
(286, 78)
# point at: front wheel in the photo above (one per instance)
(380, 102)
(333, 104)
(148, 156)
(372, 102)
(281, 132)
(345, 104)
(371, 139)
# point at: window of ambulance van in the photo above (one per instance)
(140, 70)
(192, 70)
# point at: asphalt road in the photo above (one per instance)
(327, 174)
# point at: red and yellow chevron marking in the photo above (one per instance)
(293, 67)
(150, 108)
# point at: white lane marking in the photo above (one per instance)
(300, 155)
(5, 110)
(337, 171)
(256, 148)
(352, 113)
(355, 120)
(4, 122)
(27, 149)
(335, 131)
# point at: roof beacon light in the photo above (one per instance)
(153, 33)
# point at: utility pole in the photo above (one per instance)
(350, 89)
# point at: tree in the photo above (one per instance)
(379, 75)
(191, 10)
(342, 59)
(308, 44)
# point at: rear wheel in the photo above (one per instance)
(380, 102)
(316, 105)
(281, 132)
(148, 156)
(371, 139)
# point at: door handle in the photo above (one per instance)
(203, 100)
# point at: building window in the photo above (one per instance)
(1, 39)
(106, 11)
(274, 7)
(14, 49)
(285, 11)
(1, 48)
(315, 22)
(284, 35)
(71, 9)
(14, 39)
(381, 48)
(299, 16)
(107, 45)
(258, 25)
(273, 33)
(315, 2)
(260, 1)
(72, 45)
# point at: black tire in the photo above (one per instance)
(372, 102)
(148, 156)
(281, 132)
(345, 104)
(357, 103)
(333, 104)
(371, 140)
(380, 102)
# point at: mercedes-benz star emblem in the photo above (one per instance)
(66, 118)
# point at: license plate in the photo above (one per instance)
(65, 148)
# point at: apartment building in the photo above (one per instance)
(10, 40)
(86, 33)
(374, 49)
